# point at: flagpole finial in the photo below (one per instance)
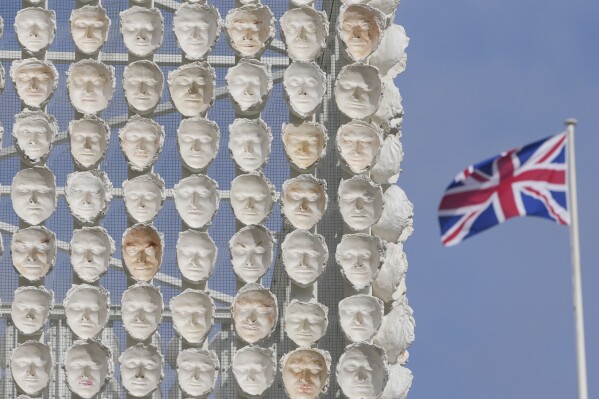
(571, 121)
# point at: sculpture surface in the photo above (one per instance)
(360, 29)
(305, 33)
(360, 256)
(400, 381)
(358, 145)
(142, 30)
(306, 373)
(33, 252)
(30, 308)
(197, 371)
(90, 252)
(142, 247)
(391, 277)
(34, 80)
(388, 166)
(89, 27)
(251, 252)
(249, 143)
(143, 82)
(360, 202)
(141, 308)
(197, 199)
(389, 115)
(34, 132)
(362, 371)
(255, 313)
(35, 28)
(87, 309)
(192, 88)
(397, 219)
(144, 196)
(358, 90)
(31, 367)
(88, 367)
(33, 194)
(306, 322)
(91, 85)
(360, 317)
(250, 28)
(252, 198)
(304, 256)
(254, 369)
(89, 137)
(397, 331)
(196, 255)
(141, 140)
(193, 315)
(304, 84)
(197, 28)
(305, 144)
(141, 369)
(304, 201)
(198, 140)
(88, 195)
(249, 84)
(390, 57)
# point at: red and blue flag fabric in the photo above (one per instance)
(527, 181)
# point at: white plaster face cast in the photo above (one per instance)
(304, 256)
(31, 367)
(305, 33)
(33, 194)
(197, 28)
(88, 195)
(399, 384)
(391, 278)
(362, 371)
(305, 322)
(249, 143)
(390, 114)
(89, 139)
(141, 140)
(305, 144)
(304, 201)
(359, 28)
(255, 313)
(305, 84)
(306, 373)
(193, 315)
(254, 369)
(360, 257)
(30, 308)
(90, 252)
(142, 247)
(192, 88)
(252, 198)
(33, 251)
(34, 80)
(87, 309)
(33, 132)
(2, 78)
(197, 371)
(89, 27)
(360, 202)
(249, 84)
(142, 30)
(141, 369)
(88, 367)
(360, 317)
(144, 196)
(91, 85)
(390, 57)
(358, 145)
(249, 29)
(299, 3)
(397, 331)
(358, 90)
(197, 200)
(198, 140)
(35, 28)
(251, 251)
(196, 255)
(143, 82)
(142, 307)
(396, 222)
(387, 7)
(388, 166)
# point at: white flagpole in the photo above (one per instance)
(575, 251)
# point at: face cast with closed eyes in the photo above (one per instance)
(91, 249)
(33, 194)
(252, 198)
(358, 91)
(35, 28)
(30, 308)
(196, 200)
(193, 315)
(144, 196)
(304, 256)
(360, 202)
(143, 82)
(196, 255)
(91, 85)
(197, 370)
(360, 317)
(88, 367)
(360, 30)
(254, 369)
(304, 201)
(33, 252)
(250, 29)
(251, 253)
(249, 83)
(362, 371)
(142, 30)
(249, 143)
(192, 88)
(358, 144)
(305, 144)
(141, 370)
(359, 256)
(304, 85)
(31, 367)
(305, 33)
(141, 140)
(305, 373)
(142, 251)
(88, 195)
(197, 27)
(89, 141)
(142, 307)
(89, 28)
(34, 80)
(198, 141)
(86, 308)
(305, 323)
(254, 313)
(33, 132)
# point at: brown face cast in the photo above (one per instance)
(360, 32)
(255, 315)
(305, 374)
(142, 252)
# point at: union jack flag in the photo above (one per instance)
(527, 181)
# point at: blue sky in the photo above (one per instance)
(494, 314)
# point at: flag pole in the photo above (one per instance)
(575, 252)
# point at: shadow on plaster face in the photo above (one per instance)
(397, 220)
(143, 247)
(358, 145)
(255, 313)
(249, 84)
(197, 371)
(360, 257)
(87, 309)
(358, 90)
(88, 195)
(306, 322)
(30, 309)
(305, 144)
(141, 140)
(192, 88)
(360, 29)
(142, 30)
(197, 200)
(31, 367)
(141, 369)
(362, 371)
(360, 202)
(249, 143)
(304, 256)
(33, 252)
(88, 366)
(252, 250)
(254, 369)
(304, 201)
(35, 81)
(360, 317)
(35, 28)
(305, 33)
(143, 82)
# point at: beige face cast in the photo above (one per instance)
(305, 144)
(250, 29)
(35, 28)
(306, 373)
(142, 251)
(360, 29)
(142, 310)
(89, 27)
(33, 251)
(304, 201)
(254, 313)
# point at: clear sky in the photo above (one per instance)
(494, 315)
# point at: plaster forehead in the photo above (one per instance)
(87, 234)
(390, 57)
(195, 297)
(243, 125)
(140, 39)
(397, 219)
(299, 237)
(387, 168)
(83, 292)
(358, 145)
(305, 143)
(45, 75)
(199, 353)
(144, 290)
(41, 291)
(82, 79)
(26, 30)
(303, 358)
(358, 90)
(88, 35)
(244, 42)
(144, 231)
(299, 3)
(358, 44)
(305, 32)
(397, 331)
(376, 360)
